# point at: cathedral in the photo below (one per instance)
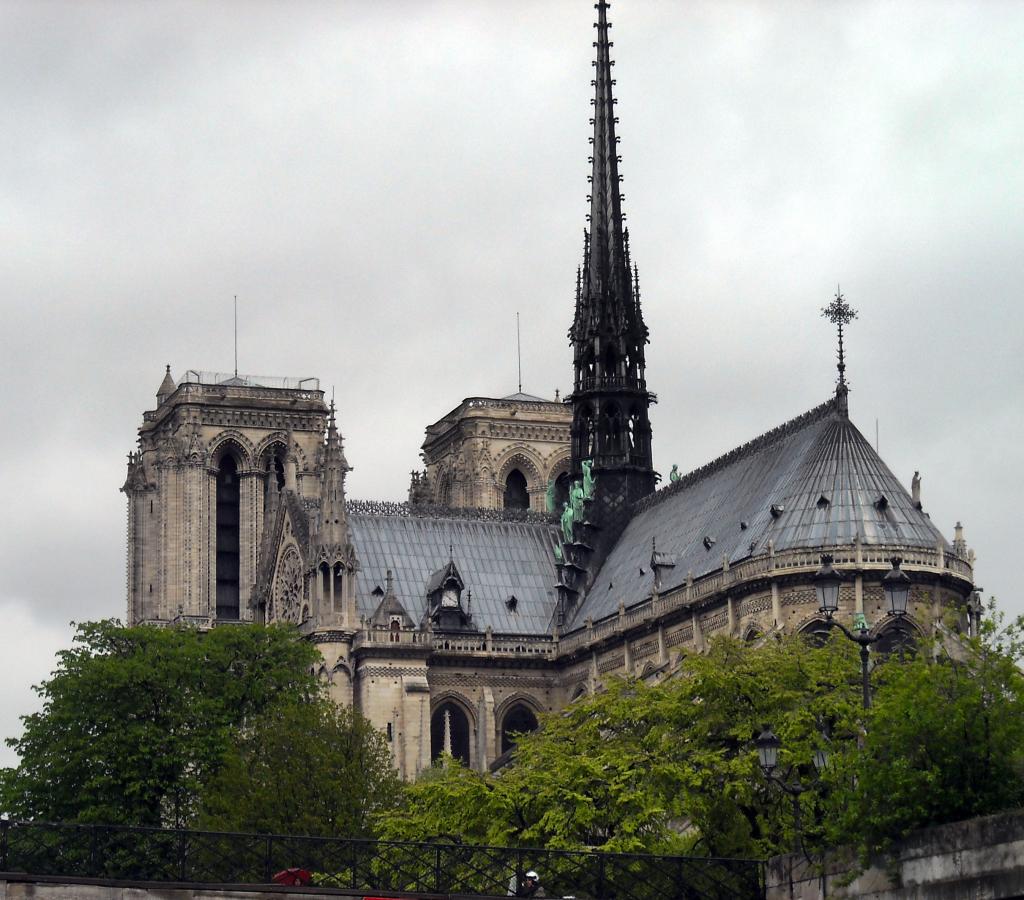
(536, 555)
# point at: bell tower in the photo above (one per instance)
(610, 400)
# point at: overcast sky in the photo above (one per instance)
(384, 184)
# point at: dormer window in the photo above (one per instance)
(444, 600)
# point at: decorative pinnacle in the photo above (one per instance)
(840, 313)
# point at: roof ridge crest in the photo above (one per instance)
(752, 446)
(403, 509)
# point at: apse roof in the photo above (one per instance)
(496, 559)
(813, 482)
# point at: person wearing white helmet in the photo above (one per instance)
(531, 885)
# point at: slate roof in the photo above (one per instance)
(526, 398)
(821, 474)
(496, 560)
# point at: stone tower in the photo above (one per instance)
(496, 453)
(214, 450)
(610, 399)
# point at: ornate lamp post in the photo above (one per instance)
(768, 744)
(896, 586)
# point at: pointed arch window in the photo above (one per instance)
(517, 496)
(449, 732)
(519, 719)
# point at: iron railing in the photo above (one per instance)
(196, 376)
(123, 853)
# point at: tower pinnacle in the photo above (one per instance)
(333, 523)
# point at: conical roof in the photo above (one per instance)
(167, 386)
(814, 482)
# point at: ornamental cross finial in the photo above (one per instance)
(840, 313)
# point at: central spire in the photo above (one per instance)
(605, 292)
(610, 398)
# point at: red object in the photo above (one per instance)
(293, 877)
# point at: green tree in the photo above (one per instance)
(944, 742)
(673, 767)
(136, 720)
(664, 768)
(304, 768)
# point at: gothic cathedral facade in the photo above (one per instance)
(536, 555)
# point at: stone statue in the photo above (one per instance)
(576, 495)
(567, 523)
(673, 476)
(549, 498)
(589, 479)
(915, 489)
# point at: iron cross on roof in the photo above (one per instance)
(840, 313)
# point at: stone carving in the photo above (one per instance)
(549, 496)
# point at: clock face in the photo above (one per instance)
(450, 598)
(287, 595)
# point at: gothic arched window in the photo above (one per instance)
(520, 718)
(449, 732)
(228, 504)
(516, 494)
(898, 639)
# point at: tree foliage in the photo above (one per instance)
(944, 742)
(135, 721)
(308, 768)
(673, 767)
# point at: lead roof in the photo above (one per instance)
(820, 474)
(497, 560)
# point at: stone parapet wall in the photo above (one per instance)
(979, 858)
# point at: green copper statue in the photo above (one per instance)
(576, 495)
(589, 479)
(549, 498)
(567, 523)
(860, 622)
(674, 474)
(558, 554)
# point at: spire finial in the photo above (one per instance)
(840, 313)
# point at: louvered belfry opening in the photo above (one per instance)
(228, 506)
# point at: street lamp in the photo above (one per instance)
(826, 583)
(896, 585)
(768, 744)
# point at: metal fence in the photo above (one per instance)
(124, 853)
